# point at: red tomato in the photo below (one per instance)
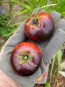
(26, 58)
(39, 28)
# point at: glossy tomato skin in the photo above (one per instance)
(26, 69)
(41, 29)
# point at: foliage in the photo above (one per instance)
(29, 5)
(47, 85)
(52, 67)
(5, 31)
(57, 58)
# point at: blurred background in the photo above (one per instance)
(13, 12)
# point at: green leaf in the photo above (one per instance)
(16, 24)
(11, 5)
(31, 3)
(19, 13)
(23, 5)
(8, 34)
(27, 52)
(52, 66)
(19, 57)
(59, 57)
(48, 5)
(47, 85)
(22, 62)
(40, 2)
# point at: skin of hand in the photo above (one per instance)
(4, 79)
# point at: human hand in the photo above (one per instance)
(5, 81)
(50, 47)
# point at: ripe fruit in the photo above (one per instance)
(26, 58)
(39, 28)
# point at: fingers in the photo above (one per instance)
(53, 46)
(5, 81)
(56, 16)
(44, 74)
(61, 24)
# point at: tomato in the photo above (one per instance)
(39, 28)
(26, 58)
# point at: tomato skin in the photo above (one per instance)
(40, 30)
(26, 69)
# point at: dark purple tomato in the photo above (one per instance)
(26, 58)
(39, 28)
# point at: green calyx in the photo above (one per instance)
(35, 21)
(25, 57)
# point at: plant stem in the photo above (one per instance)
(52, 66)
(42, 8)
(59, 57)
(47, 6)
